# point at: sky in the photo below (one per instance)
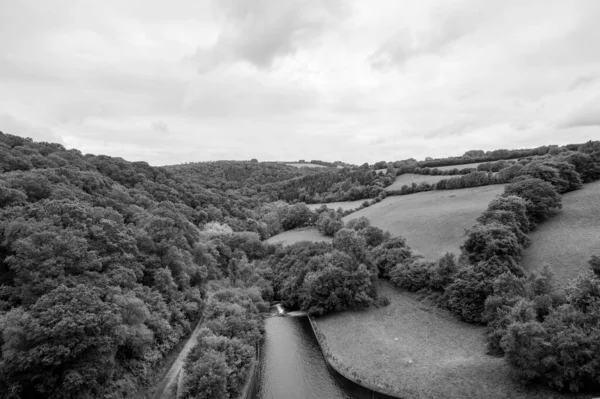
(358, 81)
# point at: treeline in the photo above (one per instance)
(245, 176)
(218, 365)
(546, 335)
(549, 167)
(475, 156)
(329, 186)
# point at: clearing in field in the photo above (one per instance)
(420, 351)
(464, 165)
(345, 205)
(305, 165)
(410, 178)
(293, 236)
(567, 240)
(433, 222)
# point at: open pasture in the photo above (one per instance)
(433, 222)
(417, 350)
(465, 165)
(305, 165)
(293, 236)
(345, 205)
(567, 240)
(410, 178)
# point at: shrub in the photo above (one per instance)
(413, 275)
(390, 253)
(541, 197)
(206, 378)
(443, 272)
(486, 241)
(466, 295)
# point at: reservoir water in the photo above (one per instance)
(292, 366)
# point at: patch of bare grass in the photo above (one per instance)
(567, 240)
(410, 178)
(345, 205)
(305, 165)
(433, 222)
(293, 236)
(414, 350)
(463, 166)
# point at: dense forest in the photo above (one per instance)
(107, 265)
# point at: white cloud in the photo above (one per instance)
(359, 81)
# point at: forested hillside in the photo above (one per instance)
(105, 263)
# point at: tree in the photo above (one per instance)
(67, 342)
(206, 377)
(390, 253)
(541, 197)
(486, 241)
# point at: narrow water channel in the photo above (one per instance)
(293, 366)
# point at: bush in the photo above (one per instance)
(389, 254)
(486, 241)
(206, 377)
(541, 198)
(413, 275)
(443, 272)
(466, 295)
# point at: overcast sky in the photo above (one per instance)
(192, 80)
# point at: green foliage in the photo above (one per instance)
(206, 377)
(413, 275)
(540, 196)
(329, 223)
(390, 253)
(318, 278)
(233, 327)
(486, 241)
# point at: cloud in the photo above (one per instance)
(334, 80)
(261, 31)
(160, 126)
(449, 23)
(586, 115)
(583, 81)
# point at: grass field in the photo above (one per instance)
(567, 240)
(345, 205)
(410, 178)
(465, 165)
(305, 165)
(433, 222)
(293, 236)
(419, 351)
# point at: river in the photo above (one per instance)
(292, 366)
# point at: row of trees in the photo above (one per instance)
(567, 170)
(218, 365)
(323, 277)
(547, 335)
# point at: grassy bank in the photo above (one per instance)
(566, 241)
(410, 178)
(413, 350)
(433, 222)
(293, 236)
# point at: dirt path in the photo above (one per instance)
(171, 376)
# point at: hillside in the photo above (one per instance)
(416, 350)
(432, 222)
(410, 178)
(566, 241)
